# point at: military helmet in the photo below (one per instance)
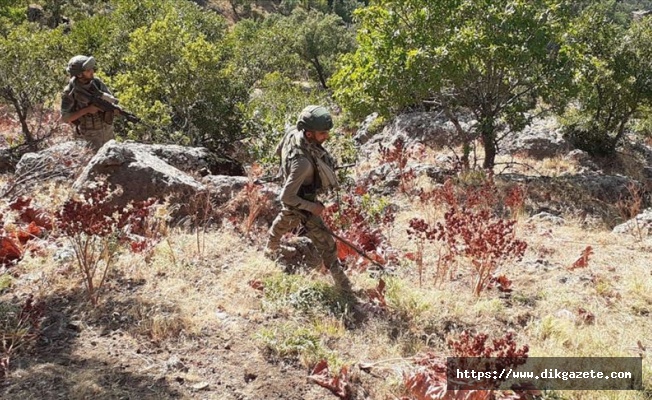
(79, 64)
(314, 119)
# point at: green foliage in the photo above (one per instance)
(302, 45)
(176, 77)
(28, 54)
(452, 52)
(293, 343)
(11, 14)
(273, 107)
(613, 78)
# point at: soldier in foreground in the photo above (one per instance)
(91, 122)
(307, 169)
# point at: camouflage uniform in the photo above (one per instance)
(299, 167)
(96, 128)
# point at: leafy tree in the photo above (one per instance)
(176, 77)
(272, 108)
(28, 55)
(613, 79)
(301, 45)
(492, 57)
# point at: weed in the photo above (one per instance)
(97, 230)
(19, 327)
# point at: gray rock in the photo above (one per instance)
(541, 139)
(63, 160)
(191, 160)
(140, 174)
(547, 217)
(582, 159)
(429, 128)
(641, 224)
(363, 134)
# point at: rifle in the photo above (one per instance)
(345, 166)
(323, 227)
(104, 101)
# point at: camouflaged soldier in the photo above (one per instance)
(307, 169)
(91, 123)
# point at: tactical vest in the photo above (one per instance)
(88, 122)
(292, 146)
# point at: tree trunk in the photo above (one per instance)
(22, 117)
(320, 72)
(488, 140)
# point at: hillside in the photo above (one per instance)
(203, 315)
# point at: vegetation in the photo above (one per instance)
(98, 301)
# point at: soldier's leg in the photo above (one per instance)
(284, 222)
(97, 137)
(325, 244)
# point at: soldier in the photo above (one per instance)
(307, 169)
(91, 123)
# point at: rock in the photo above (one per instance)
(200, 386)
(62, 161)
(140, 174)
(541, 139)
(639, 225)
(432, 129)
(191, 160)
(363, 134)
(547, 217)
(582, 159)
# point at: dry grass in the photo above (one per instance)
(197, 303)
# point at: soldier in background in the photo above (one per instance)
(307, 169)
(91, 123)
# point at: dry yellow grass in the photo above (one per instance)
(196, 301)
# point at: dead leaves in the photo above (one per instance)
(339, 384)
(583, 261)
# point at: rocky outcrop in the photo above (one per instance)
(138, 173)
(639, 225)
(432, 129)
(192, 160)
(541, 139)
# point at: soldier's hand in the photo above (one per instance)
(92, 109)
(319, 209)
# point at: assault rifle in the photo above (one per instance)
(104, 101)
(345, 166)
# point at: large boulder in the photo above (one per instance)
(432, 129)
(139, 174)
(543, 138)
(192, 160)
(63, 160)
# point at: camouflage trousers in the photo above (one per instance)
(97, 137)
(289, 219)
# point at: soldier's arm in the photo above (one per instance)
(300, 170)
(67, 115)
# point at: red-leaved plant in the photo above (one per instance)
(351, 220)
(98, 229)
(470, 231)
(428, 380)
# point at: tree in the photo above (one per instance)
(613, 78)
(494, 58)
(305, 44)
(176, 77)
(317, 39)
(28, 56)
